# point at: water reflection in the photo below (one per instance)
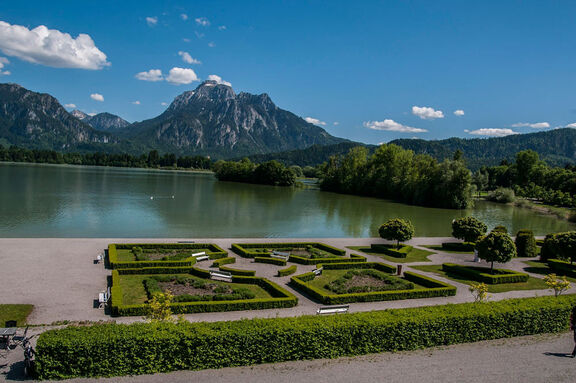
(65, 201)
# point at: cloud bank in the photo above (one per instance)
(314, 121)
(537, 125)
(427, 113)
(392, 126)
(493, 132)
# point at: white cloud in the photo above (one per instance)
(187, 58)
(3, 62)
(427, 113)
(70, 106)
(459, 112)
(199, 35)
(163, 103)
(211, 44)
(184, 16)
(336, 123)
(179, 76)
(219, 80)
(92, 114)
(136, 102)
(222, 27)
(572, 125)
(152, 21)
(392, 126)
(186, 40)
(314, 121)
(536, 125)
(50, 47)
(97, 97)
(151, 75)
(493, 132)
(202, 21)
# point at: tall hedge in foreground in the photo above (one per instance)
(144, 348)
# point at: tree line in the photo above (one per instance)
(151, 160)
(267, 173)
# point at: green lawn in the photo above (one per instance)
(331, 275)
(531, 284)
(440, 248)
(133, 291)
(416, 255)
(19, 313)
(538, 267)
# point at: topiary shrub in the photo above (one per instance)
(469, 229)
(526, 244)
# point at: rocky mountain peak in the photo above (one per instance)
(209, 91)
(78, 114)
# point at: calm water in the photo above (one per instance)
(66, 201)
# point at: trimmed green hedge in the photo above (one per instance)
(144, 348)
(482, 274)
(281, 298)
(270, 260)
(354, 258)
(391, 250)
(287, 271)
(247, 273)
(459, 246)
(434, 288)
(243, 249)
(112, 261)
(359, 265)
(223, 261)
(526, 244)
(562, 267)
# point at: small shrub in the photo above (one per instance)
(159, 307)
(287, 271)
(526, 244)
(500, 229)
(479, 292)
(502, 195)
(559, 285)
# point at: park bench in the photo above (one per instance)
(318, 271)
(221, 275)
(103, 298)
(201, 256)
(342, 309)
(280, 255)
(98, 259)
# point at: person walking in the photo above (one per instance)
(573, 328)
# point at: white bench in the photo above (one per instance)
(98, 258)
(278, 256)
(221, 275)
(199, 254)
(318, 271)
(281, 253)
(103, 298)
(342, 309)
(202, 258)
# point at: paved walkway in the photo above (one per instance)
(59, 277)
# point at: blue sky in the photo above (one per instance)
(370, 71)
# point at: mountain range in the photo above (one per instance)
(213, 120)
(210, 120)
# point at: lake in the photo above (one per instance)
(79, 201)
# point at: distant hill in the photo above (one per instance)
(557, 147)
(105, 122)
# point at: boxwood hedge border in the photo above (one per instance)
(106, 350)
(281, 298)
(112, 260)
(511, 276)
(434, 288)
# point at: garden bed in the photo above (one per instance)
(406, 254)
(484, 274)
(366, 282)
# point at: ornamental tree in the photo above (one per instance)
(468, 229)
(398, 230)
(496, 247)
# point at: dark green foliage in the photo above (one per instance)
(267, 173)
(287, 271)
(394, 173)
(140, 248)
(482, 274)
(500, 229)
(142, 348)
(496, 247)
(459, 246)
(562, 268)
(247, 273)
(434, 288)
(560, 246)
(468, 229)
(397, 229)
(223, 261)
(401, 252)
(526, 244)
(270, 260)
(502, 195)
(340, 285)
